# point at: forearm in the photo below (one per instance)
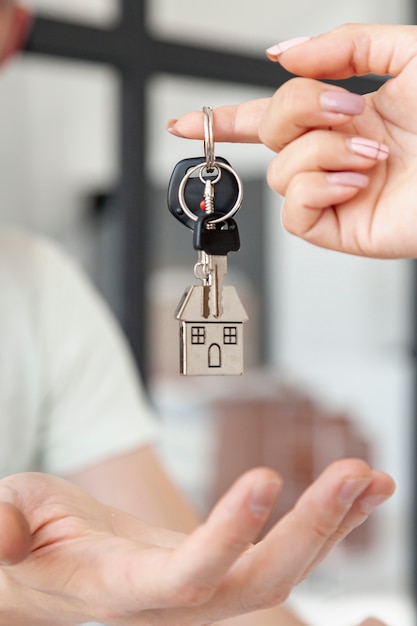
(137, 483)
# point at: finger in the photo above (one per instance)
(277, 563)
(234, 523)
(303, 104)
(348, 50)
(324, 151)
(233, 123)
(311, 209)
(299, 105)
(194, 571)
(15, 536)
(379, 491)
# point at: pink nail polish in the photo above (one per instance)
(274, 51)
(171, 128)
(348, 179)
(342, 102)
(368, 148)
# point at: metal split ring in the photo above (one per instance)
(208, 138)
(219, 165)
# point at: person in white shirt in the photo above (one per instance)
(72, 405)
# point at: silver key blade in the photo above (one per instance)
(218, 270)
(202, 268)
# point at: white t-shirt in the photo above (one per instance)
(69, 390)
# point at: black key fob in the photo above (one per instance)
(225, 196)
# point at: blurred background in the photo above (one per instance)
(330, 366)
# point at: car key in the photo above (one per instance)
(204, 194)
(216, 240)
(195, 171)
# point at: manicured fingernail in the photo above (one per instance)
(171, 128)
(263, 497)
(351, 489)
(342, 102)
(274, 51)
(369, 503)
(368, 148)
(348, 179)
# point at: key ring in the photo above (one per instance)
(208, 138)
(219, 166)
(210, 165)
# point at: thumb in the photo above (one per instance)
(15, 536)
(348, 50)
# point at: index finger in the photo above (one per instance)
(238, 123)
(194, 571)
(234, 523)
(299, 105)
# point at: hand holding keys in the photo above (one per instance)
(204, 194)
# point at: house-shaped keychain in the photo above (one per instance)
(210, 345)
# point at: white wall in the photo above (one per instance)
(251, 27)
(98, 12)
(58, 145)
